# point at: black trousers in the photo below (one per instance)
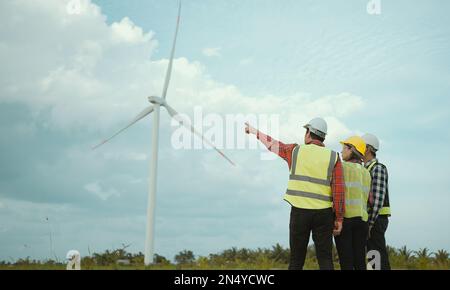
(351, 244)
(302, 223)
(377, 240)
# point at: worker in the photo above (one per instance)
(351, 242)
(315, 188)
(380, 211)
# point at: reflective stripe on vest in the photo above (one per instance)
(386, 209)
(357, 185)
(357, 188)
(309, 184)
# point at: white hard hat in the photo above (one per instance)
(372, 140)
(317, 126)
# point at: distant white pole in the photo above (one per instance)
(51, 239)
(150, 237)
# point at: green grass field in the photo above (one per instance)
(232, 259)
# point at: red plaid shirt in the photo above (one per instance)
(337, 182)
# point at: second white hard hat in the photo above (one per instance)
(317, 126)
(372, 140)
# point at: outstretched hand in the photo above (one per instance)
(249, 129)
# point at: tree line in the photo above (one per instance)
(276, 257)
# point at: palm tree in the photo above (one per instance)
(185, 257)
(392, 252)
(441, 256)
(405, 254)
(244, 254)
(423, 258)
(280, 254)
(423, 254)
(160, 259)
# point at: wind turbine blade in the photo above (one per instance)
(169, 68)
(141, 115)
(174, 114)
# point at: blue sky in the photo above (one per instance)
(68, 80)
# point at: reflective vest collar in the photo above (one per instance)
(371, 163)
(316, 142)
(357, 161)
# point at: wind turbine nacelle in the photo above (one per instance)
(156, 100)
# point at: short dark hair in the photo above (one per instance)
(356, 156)
(372, 150)
(315, 137)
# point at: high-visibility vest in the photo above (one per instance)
(386, 209)
(357, 188)
(309, 184)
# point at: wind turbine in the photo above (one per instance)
(157, 102)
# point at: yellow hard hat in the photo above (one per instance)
(357, 142)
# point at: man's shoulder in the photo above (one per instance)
(316, 147)
(379, 168)
(292, 146)
(379, 164)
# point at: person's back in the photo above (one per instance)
(351, 242)
(310, 177)
(357, 188)
(380, 209)
(315, 192)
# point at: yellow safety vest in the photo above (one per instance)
(357, 188)
(386, 209)
(309, 184)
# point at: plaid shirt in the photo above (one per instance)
(379, 188)
(337, 181)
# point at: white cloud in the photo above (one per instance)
(99, 75)
(75, 66)
(211, 51)
(127, 31)
(96, 189)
